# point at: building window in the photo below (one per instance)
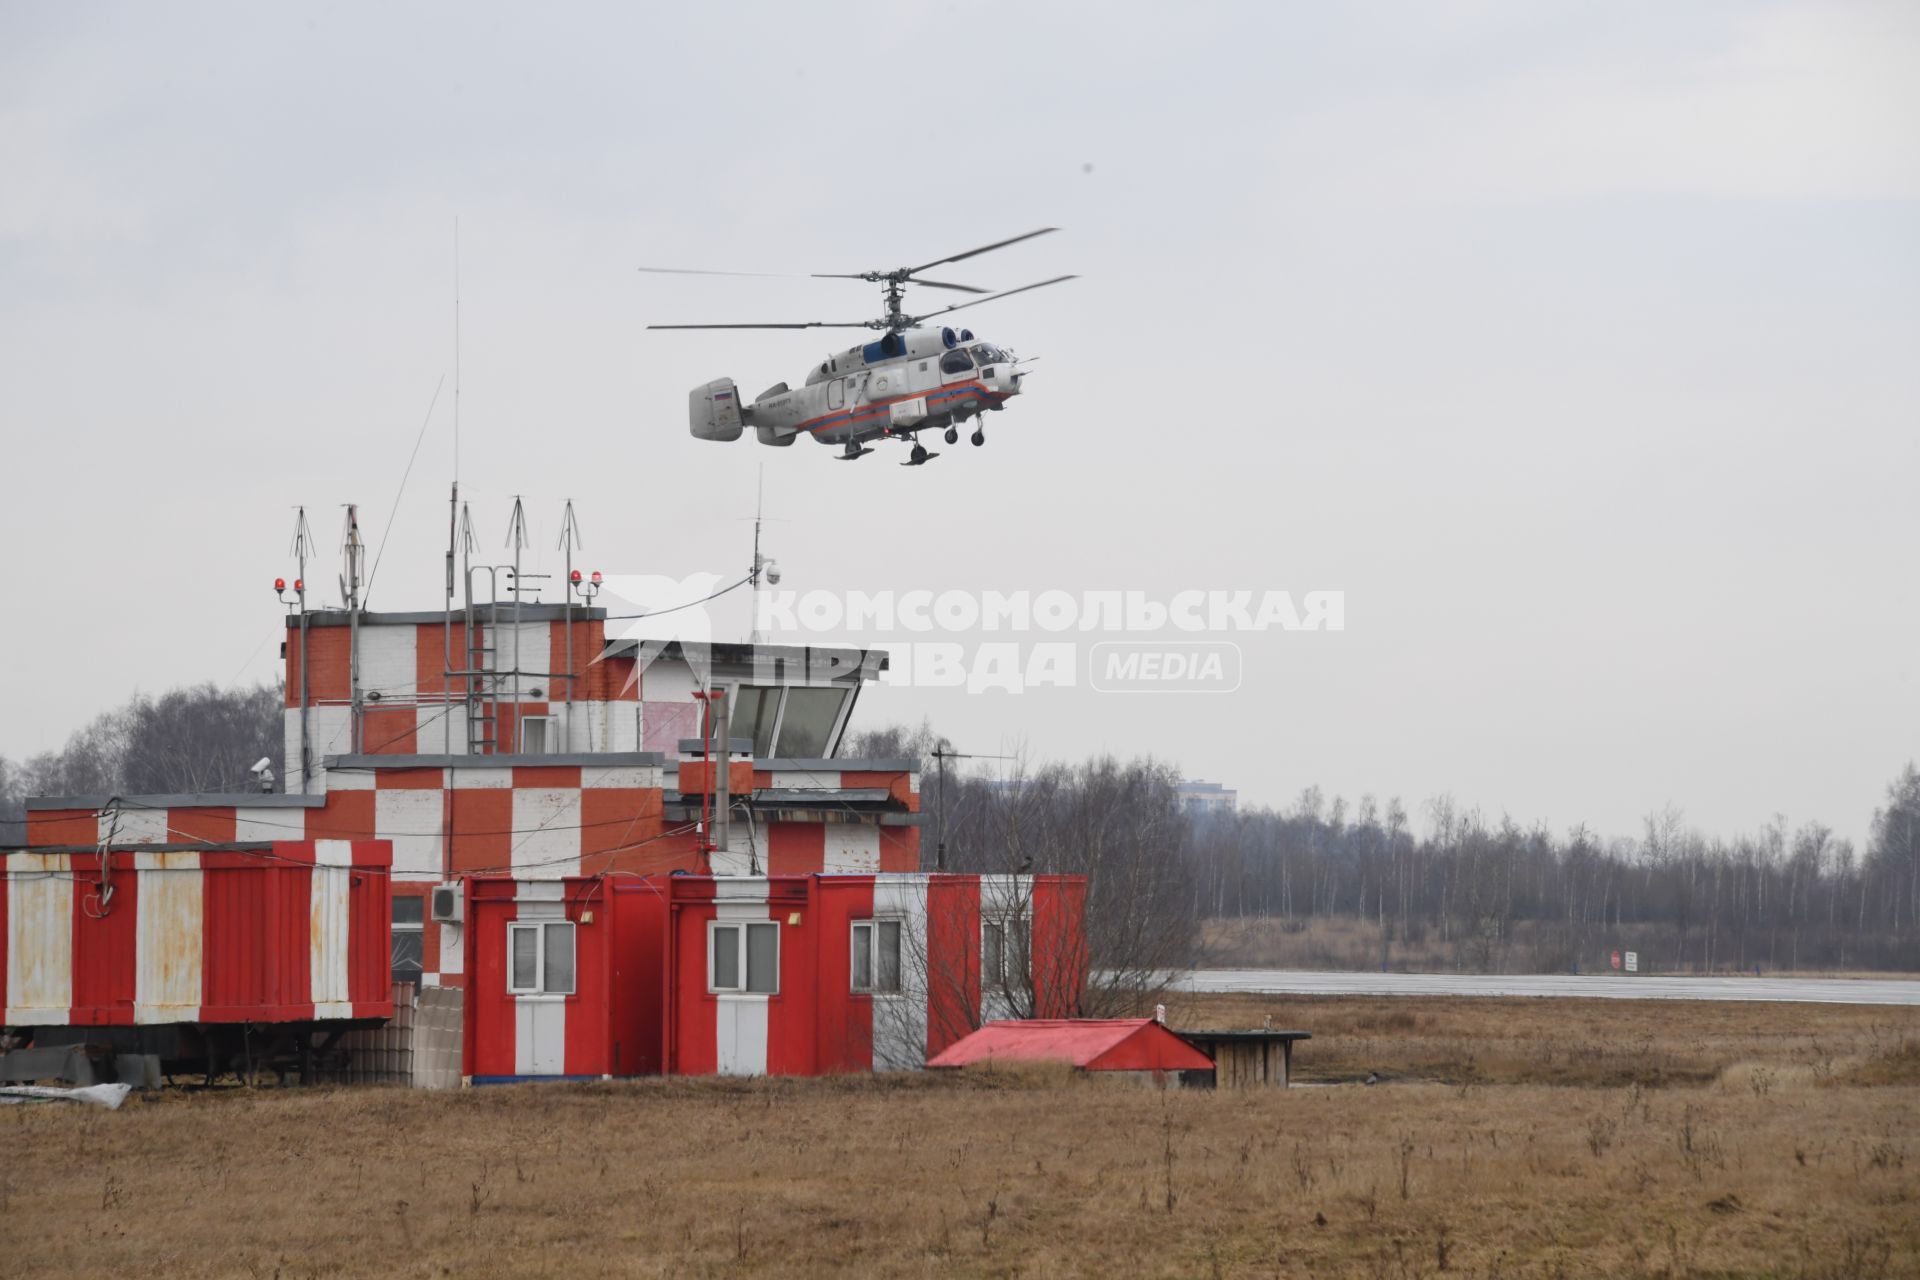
(753, 715)
(1003, 952)
(540, 958)
(806, 726)
(876, 956)
(788, 722)
(536, 735)
(409, 939)
(744, 957)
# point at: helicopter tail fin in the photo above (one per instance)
(713, 411)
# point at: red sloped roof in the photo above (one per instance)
(1092, 1044)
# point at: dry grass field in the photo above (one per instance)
(1352, 943)
(1509, 1138)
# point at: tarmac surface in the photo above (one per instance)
(1610, 986)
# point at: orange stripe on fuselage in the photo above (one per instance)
(809, 425)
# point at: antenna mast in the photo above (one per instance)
(517, 539)
(569, 539)
(764, 568)
(353, 557)
(302, 545)
(456, 350)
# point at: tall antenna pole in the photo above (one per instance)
(759, 496)
(763, 567)
(517, 539)
(446, 625)
(302, 544)
(353, 556)
(456, 349)
(569, 539)
(475, 652)
(453, 539)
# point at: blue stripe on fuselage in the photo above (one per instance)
(943, 393)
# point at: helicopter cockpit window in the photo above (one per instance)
(986, 353)
(956, 361)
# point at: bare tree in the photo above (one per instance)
(191, 740)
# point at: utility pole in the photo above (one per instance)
(765, 571)
(569, 539)
(302, 544)
(353, 556)
(722, 761)
(942, 753)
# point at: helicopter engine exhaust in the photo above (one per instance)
(713, 411)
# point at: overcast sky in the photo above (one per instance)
(1576, 344)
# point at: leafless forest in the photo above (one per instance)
(1446, 884)
(196, 739)
(1439, 885)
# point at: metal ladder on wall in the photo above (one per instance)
(483, 656)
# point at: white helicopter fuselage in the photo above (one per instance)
(904, 382)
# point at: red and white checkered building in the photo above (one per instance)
(590, 761)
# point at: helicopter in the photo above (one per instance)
(910, 379)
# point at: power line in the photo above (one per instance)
(418, 437)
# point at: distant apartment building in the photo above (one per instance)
(1206, 798)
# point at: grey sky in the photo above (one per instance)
(1575, 343)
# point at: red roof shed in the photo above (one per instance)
(1092, 1044)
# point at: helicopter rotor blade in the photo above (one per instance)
(694, 271)
(990, 297)
(988, 248)
(803, 324)
(941, 284)
(874, 275)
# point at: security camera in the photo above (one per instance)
(263, 771)
(773, 574)
(262, 765)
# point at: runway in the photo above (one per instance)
(1890, 991)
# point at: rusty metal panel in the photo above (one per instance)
(39, 939)
(216, 934)
(171, 928)
(329, 927)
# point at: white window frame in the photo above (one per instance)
(539, 928)
(740, 953)
(1003, 924)
(873, 957)
(415, 927)
(546, 734)
(835, 734)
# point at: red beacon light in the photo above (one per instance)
(596, 577)
(279, 584)
(299, 584)
(576, 577)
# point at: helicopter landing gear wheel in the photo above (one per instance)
(979, 436)
(953, 435)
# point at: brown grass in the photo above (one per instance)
(1778, 1164)
(1353, 943)
(1475, 1040)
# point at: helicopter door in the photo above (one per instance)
(837, 394)
(956, 366)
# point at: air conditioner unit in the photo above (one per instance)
(448, 904)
